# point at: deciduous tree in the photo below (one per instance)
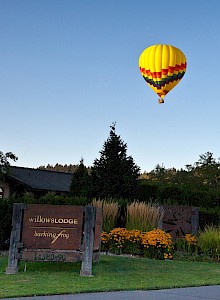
(4, 161)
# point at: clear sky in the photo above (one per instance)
(69, 68)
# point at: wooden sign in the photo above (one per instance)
(52, 227)
(55, 233)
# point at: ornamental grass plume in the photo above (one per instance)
(209, 241)
(143, 216)
(110, 211)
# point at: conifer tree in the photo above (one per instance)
(114, 174)
(80, 185)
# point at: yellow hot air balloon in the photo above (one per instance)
(162, 66)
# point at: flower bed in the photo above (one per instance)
(153, 244)
(158, 244)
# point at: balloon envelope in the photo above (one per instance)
(162, 66)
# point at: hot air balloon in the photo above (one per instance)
(162, 66)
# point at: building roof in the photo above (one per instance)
(41, 179)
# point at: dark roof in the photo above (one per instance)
(41, 179)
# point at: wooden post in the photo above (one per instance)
(15, 243)
(195, 220)
(89, 228)
(160, 223)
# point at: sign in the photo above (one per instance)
(64, 233)
(52, 227)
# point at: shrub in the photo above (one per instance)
(105, 241)
(154, 244)
(54, 199)
(120, 240)
(143, 216)
(5, 223)
(157, 244)
(209, 217)
(133, 242)
(117, 238)
(200, 198)
(173, 194)
(148, 191)
(209, 241)
(188, 243)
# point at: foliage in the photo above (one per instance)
(153, 244)
(209, 241)
(188, 243)
(157, 244)
(192, 257)
(198, 185)
(173, 193)
(116, 240)
(148, 191)
(62, 168)
(207, 168)
(143, 216)
(209, 216)
(133, 242)
(200, 198)
(5, 223)
(114, 174)
(80, 185)
(4, 161)
(54, 199)
(122, 241)
(110, 210)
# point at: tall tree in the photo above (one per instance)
(114, 174)
(80, 185)
(208, 169)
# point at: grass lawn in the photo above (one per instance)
(111, 273)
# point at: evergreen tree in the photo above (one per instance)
(114, 174)
(80, 185)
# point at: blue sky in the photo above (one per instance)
(68, 69)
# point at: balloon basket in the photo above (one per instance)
(160, 101)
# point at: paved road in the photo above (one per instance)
(195, 293)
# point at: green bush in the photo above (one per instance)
(174, 194)
(187, 243)
(200, 198)
(209, 241)
(208, 217)
(53, 198)
(147, 191)
(6, 208)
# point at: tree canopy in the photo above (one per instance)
(4, 161)
(198, 185)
